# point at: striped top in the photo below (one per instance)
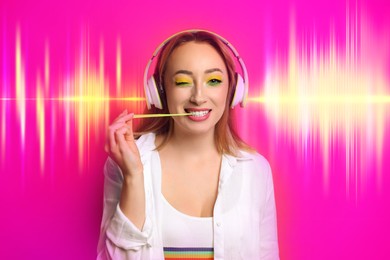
(185, 236)
(174, 253)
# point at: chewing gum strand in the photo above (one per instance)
(160, 115)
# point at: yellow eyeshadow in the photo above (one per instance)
(217, 77)
(183, 80)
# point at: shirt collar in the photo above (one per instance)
(146, 145)
(233, 160)
(229, 162)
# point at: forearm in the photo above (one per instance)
(132, 199)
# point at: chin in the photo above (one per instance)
(198, 129)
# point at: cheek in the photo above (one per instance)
(221, 97)
(176, 97)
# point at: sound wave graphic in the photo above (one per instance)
(326, 95)
(318, 96)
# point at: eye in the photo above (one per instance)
(214, 82)
(182, 83)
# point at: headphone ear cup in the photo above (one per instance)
(152, 95)
(239, 92)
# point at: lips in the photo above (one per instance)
(198, 114)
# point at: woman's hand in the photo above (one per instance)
(121, 147)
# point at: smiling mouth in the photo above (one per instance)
(198, 113)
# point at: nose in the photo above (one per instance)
(197, 96)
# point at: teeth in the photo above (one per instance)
(199, 113)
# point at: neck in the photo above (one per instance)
(193, 144)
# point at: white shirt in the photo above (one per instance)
(244, 217)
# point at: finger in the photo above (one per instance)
(124, 112)
(129, 135)
(117, 125)
(120, 137)
(130, 120)
(113, 147)
(124, 118)
(125, 121)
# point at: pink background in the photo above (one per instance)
(332, 189)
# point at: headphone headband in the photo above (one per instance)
(155, 98)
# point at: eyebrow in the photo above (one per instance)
(187, 72)
(213, 70)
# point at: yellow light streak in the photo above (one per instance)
(20, 87)
(40, 111)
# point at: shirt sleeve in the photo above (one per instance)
(268, 226)
(119, 237)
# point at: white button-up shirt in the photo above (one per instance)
(244, 212)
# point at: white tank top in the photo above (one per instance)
(186, 236)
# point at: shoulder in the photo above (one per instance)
(255, 160)
(255, 168)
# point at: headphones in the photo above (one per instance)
(152, 90)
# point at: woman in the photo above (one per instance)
(188, 186)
